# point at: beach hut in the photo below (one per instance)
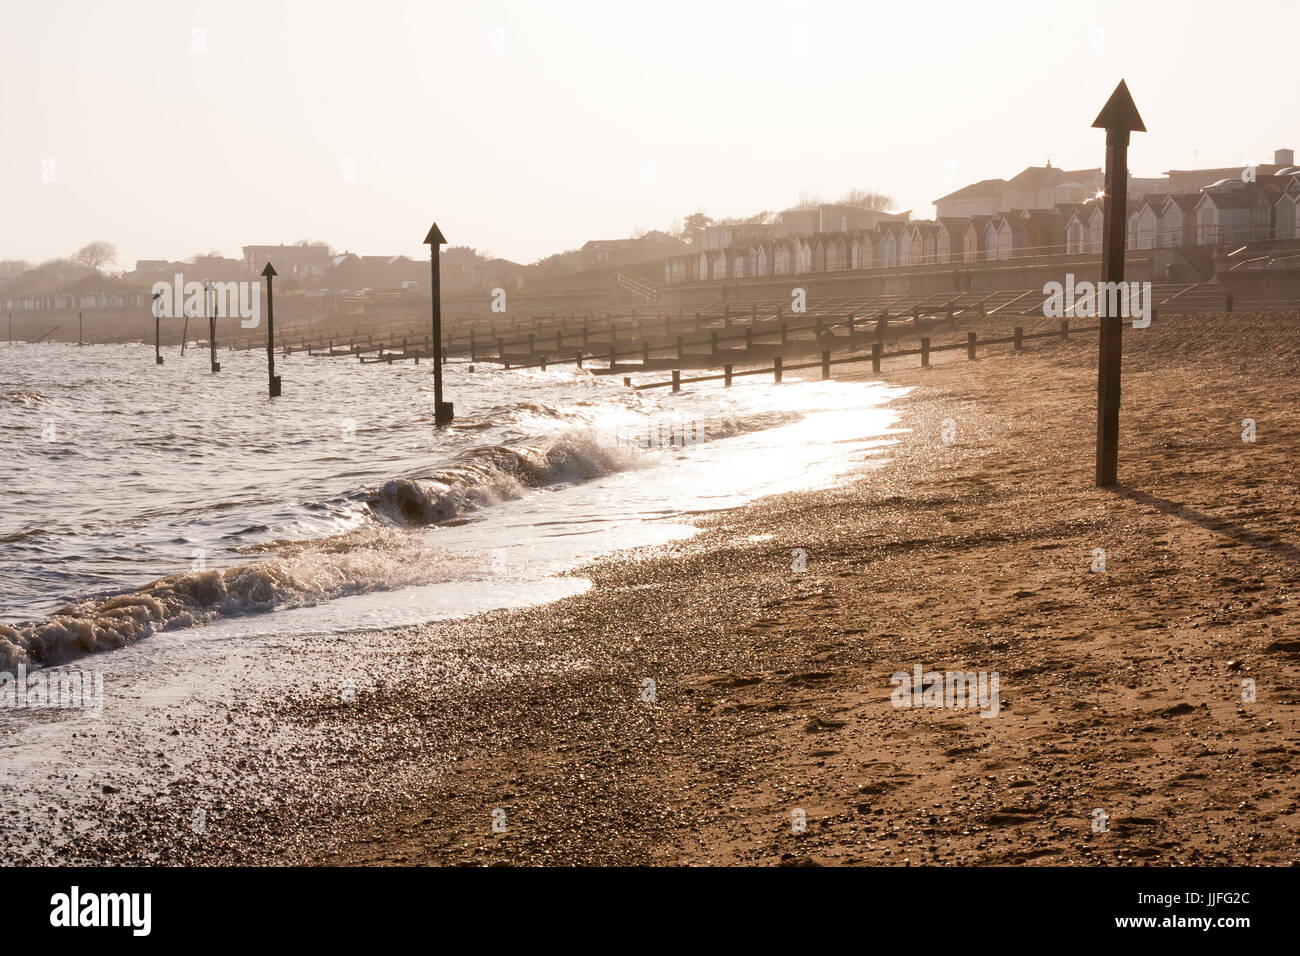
(1262, 225)
(1095, 220)
(1144, 223)
(1284, 216)
(763, 259)
(736, 263)
(1224, 216)
(836, 254)
(860, 251)
(948, 239)
(929, 242)
(972, 240)
(904, 245)
(782, 258)
(1177, 225)
(889, 237)
(997, 237)
(916, 239)
(1076, 232)
(817, 246)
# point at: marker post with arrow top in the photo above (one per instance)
(269, 273)
(442, 411)
(1118, 118)
(157, 330)
(210, 290)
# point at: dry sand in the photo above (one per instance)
(1120, 690)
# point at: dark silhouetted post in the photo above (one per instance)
(875, 357)
(776, 369)
(925, 351)
(79, 325)
(1118, 118)
(677, 380)
(971, 340)
(208, 290)
(273, 379)
(157, 330)
(443, 412)
(726, 375)
(826, 363)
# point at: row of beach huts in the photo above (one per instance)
(1228, 211)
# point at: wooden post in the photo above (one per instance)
(627, 381)
(677, 380)
(925, 351)
(273, 383)
(726, 375)
(826, 363)
(970, 345)
(882, 324)
(875, 357)
(776, 369)
(577, 358)
(443, 412)
(1119, 117)
(645, 353)
(1019, 338)
(785, 334)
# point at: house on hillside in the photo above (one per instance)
(983, 198)
(298, 262)
(604, 253)
(1042, 187)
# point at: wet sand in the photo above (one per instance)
(970, 545)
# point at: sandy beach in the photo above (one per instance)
(971, 545)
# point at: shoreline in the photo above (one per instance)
(1120, 690)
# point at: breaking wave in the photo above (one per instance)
(382, 554)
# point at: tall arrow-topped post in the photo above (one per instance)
(442, 411)
(157, 330)
(270, 273)
(210, 290)
(1118, 118)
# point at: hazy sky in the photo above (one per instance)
(171, 128)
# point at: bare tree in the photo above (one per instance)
(96, 255)
(868, 199)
